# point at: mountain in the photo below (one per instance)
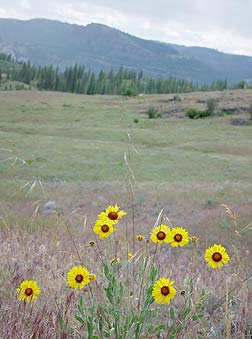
(99, 47)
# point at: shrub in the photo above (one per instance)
(130, 92)
(153, 113)
(136, 120)
(211, 105)
(194, 113)
(240, 85)
(228, 111)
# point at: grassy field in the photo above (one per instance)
(86, 152)
(76, 144)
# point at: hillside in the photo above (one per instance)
(98, 47)
(7, 65)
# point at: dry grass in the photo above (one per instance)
(43, 251)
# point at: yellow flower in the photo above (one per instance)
(78, 277)
(28, 290)
(178, 237)
(130, 255)
(92, 277)
(140, 237)
(160, 234)
(216, 256)
(112, 213)
(163, 291)
(104, 228)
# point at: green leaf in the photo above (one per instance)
(106, 334)
(81, 302)
(172, 314)
(202, 302)
(153, 273)
(197, 316)
(180, 328)
(109, 294)
(186, 312)
(115, 312)
(108, 275)
(79, 319)
(159, 328)
(191, 285)
(203, 293)
(80, 307)
(199, 307)
(90, 330)
(120, 295)
(172, 328)
(62, 324)
(150, 329)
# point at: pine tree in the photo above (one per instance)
(91, 85)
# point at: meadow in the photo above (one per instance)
(88, 152)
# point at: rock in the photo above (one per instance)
(241, 122)
(51, 207)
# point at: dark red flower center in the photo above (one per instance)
(161, 235)
(216, 257)
(105, 228)
(79, 278)
(113, 215)
(165, 290)
(28, 291)
(178, 237)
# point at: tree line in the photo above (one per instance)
(78, 79)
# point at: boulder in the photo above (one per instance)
(52, 207)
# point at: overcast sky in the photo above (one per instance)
(225, 25)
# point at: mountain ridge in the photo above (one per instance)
(98, 46)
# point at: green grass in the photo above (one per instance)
(78, 139)
(90, 135)
(10, 85)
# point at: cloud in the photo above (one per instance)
(86, 13)
(232, 15)
(6, 12)
(25, 4)
(222, 24)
